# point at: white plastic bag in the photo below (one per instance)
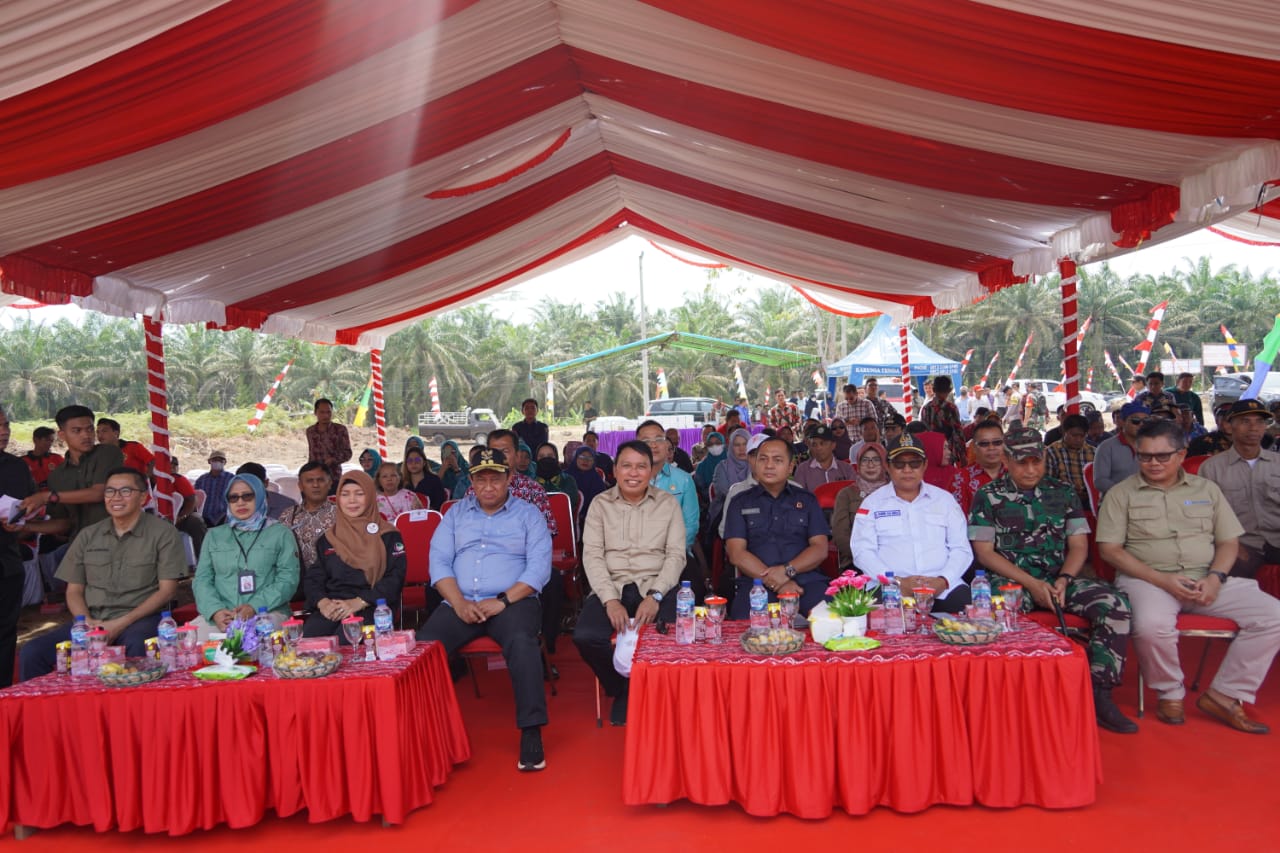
(625, 649)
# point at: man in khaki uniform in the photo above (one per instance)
(1250, 479)
(633, 551)
(1173, 538)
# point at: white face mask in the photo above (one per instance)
(716, 449)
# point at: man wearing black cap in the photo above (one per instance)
(915, 530)
(1250, 480)
(822, 465)
(1114, 460)
(1218, 440)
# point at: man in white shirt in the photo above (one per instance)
(822, 466)
(915, 530)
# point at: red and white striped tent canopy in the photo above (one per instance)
(336, 170)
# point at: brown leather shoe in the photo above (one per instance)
(1170, 711)
(1231, 714)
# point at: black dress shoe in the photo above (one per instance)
(618, 713)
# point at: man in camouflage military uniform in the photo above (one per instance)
(1030, 529)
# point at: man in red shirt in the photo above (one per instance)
(40, 459)
(136, 455)
(988, 453)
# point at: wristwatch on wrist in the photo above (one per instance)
(790, 570)
(1221, 576)
(657, 596)
(53, 498)
(502, 596)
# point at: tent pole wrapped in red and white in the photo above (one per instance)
(337, 170)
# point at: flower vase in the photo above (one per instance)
(854, 626)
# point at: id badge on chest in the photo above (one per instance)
(246, 583)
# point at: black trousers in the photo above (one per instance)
(516, 631)
(552, 597)
(10, 610)
(813, 588)
(318, 625)
(956, 602)
(593, 635)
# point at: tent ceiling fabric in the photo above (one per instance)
(337, 170)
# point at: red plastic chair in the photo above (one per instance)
(1192, 464)
(448, 505)
(1076, 625)
(416, 528)
(826, 493)
(1196, 626)
(1269, 579)
(486, 647)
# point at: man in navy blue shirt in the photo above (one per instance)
(531, 431)
(489, 557)
(776, 531)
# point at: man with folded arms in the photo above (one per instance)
(120, 573)
(633, 553)
(1173, 538)
(1030, 529)
(1250, 479)
(915, 530)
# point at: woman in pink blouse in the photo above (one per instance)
(393, 497)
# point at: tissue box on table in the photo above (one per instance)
(318, 644)
(398, 643)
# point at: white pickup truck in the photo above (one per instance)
(469, 425)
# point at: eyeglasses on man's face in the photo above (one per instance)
(912, 463)
(995, 442)
(1159, 458)
(122, 491)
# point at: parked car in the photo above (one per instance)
(1227, 388)
(698, 408)
(470, 424)
(1054, 398)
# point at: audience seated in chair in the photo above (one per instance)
(1250, 481)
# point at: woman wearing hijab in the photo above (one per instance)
(589, 479)
(247, 563)
(370, 462)
(547, 468)
(734, 469)
(706, 470)
(871, 472)
(454, 469)
(359, 560)
(393, 497)
(524, 460)
(419, 479)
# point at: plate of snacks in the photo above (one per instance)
(966, 632)
(130, 673)
(772, 641)
(306, 664)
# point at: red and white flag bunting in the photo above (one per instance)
(964, 362)
(1013, 374)
(1111, 365)
(1088, 382)
(987, 372)
(1153, 328)
(435, 396)
(261, 408)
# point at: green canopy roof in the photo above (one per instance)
(780, 358)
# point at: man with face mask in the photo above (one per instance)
(214, 485)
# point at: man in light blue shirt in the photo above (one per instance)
(671, 479)
(489, 557)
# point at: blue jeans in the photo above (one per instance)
(39, 656)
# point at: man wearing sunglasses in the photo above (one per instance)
(915, 530)
(1173, 538)
(1114, 460)
(988, 463)
(120, 573)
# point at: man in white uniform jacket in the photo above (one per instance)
(915, 530)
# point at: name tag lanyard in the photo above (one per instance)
(247, 579)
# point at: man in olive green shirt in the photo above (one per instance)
(633, 551)
(1173, 538)
(120, 573)
(73, 500)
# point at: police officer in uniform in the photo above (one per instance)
(1030, 529)
(776, 530)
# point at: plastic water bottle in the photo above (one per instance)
(759, 605)
(891, 601)
(167, 636)
(684, 614)
(264, 627)
(980, 591)
(79, 647)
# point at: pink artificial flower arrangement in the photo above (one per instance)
(852, 594)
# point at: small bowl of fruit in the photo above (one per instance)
(966, 632)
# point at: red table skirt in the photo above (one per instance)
(904, 733)
(179, 754)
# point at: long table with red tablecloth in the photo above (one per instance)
(181, 754)
(912, 724)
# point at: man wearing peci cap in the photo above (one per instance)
(915, 530)
(489, 557)
(1114, 460)
(214, 485)
(1217, 440)
(1030, 529)
(822, 466)
(1250, 481)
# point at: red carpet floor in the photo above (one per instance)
(1197, 787)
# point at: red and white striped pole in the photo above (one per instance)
(1088, 383)
(906, 372)
(1153, 328)
(1070, 333)
(964, 362)
(435, 396)
(158, 403)
(987, 372)
(379, 409)
(261, 408)
(1013, 374)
